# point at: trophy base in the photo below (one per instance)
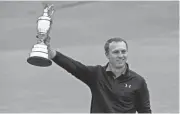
(39, 56)
(39, 61)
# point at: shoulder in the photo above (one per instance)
(94, 67)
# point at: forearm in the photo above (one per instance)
(62, 60)
(79, 70)
(65, 62)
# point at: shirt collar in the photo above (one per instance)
(107, 67)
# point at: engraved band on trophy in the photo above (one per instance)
(39, 53)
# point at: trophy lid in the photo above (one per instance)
(48, 10)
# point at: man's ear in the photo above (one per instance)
(106, 53)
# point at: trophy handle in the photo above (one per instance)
(49, 9)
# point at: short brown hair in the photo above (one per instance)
(114, 39)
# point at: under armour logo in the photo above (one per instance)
(126, 85)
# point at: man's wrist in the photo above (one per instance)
(51, 52)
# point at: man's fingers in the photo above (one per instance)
(47, 41)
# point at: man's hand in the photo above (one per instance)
(51, 52)
(47, 41)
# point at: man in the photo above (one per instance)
(114, 87)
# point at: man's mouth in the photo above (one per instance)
(120, 60)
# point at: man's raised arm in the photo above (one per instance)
(79, 70)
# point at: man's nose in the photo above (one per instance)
(120, 55)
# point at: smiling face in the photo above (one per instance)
(117, 54)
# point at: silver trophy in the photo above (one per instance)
(39, 53)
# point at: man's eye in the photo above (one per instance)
(123, 51)
(116, 52)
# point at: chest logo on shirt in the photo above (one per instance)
(127, 86)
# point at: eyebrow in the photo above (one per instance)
(119, 50)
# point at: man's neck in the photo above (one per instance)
(117, 71)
